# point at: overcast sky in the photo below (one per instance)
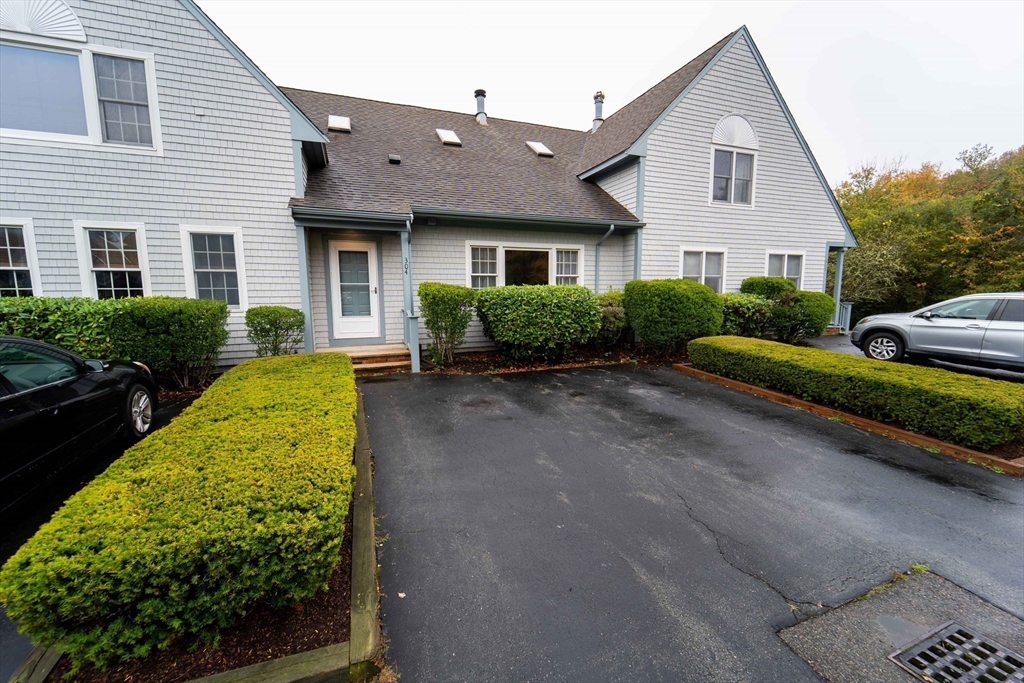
(865, 81)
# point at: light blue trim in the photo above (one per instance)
(641, 178)
(300, 183)
(517, 217)
(304, 293)
(410, 321)
(302, 127)
(380, 338)
(638, 254)
(338, 218)
(609, 165)
(837, 288)
(597, 259)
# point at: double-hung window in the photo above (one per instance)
(496, 265)
(789, 266)
(705, 267)
(112, 259)
(63, 91)
(733, 180)
(214, 264)
(16, 276)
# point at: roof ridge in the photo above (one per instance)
(443, 111)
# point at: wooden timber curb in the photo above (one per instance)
(351, 661)
(1013, 467)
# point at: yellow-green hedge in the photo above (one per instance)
(242, 498)
(972, 411)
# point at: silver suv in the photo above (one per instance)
(979, 329)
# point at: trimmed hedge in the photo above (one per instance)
(746, 315)
(78, 324)
(971, 411)
(769, 287)
(534, 322)
(447, 311)
(667, 313)
(242, 498)
(274, 330)
(802, 314)
(613, 318)
(176, 337)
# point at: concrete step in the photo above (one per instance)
(361, 368)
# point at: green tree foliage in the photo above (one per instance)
(926, 235)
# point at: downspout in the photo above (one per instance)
(597, 259)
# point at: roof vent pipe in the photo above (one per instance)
(481, 116)
(598, 110)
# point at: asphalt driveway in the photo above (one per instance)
(639, 524)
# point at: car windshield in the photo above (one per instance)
(972, 309)
(29, 368)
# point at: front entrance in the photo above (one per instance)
(355, 304)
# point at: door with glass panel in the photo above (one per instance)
(354, 299)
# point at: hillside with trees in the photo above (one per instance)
(926, 235)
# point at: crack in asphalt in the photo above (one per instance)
(801, 610)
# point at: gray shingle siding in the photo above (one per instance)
(232, 167)
(792, 211)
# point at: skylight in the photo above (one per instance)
(449, 137)
(540, 149)
(342, 123)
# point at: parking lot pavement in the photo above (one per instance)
(840, 343)
(639, 524)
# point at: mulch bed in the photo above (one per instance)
(264, 633)
(490, 363)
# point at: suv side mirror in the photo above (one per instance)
(94, 366)
(927, 315)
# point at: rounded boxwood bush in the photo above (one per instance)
(614, 327)
(240, 499)
(746, 315)
(447, 311)
(274, 330)
(538, 322)
(802, 314)
(769, 287)
(667, 313)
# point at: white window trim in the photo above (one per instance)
(787, 252)
(188, 259)
(732, 182)
(523, 246)
(724, 251)
(85, 254)
(93, 140)
(28, 232)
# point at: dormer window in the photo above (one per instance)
(732, 165)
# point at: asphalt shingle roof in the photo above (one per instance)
(493, 171)
(624, 127)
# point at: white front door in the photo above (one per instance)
(354, 300)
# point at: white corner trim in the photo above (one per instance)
(85, 256)
(704, 249)
(93, 139)
(28, 232)
(525, 246)
(187, 260)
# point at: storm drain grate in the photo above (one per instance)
(955, 654)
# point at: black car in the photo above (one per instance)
(57, 407)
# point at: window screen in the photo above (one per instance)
(215, 266)
(744, 178)
(567, 265)
(483, 267)
(124, 99)
(723, 176)
(41, 90)
(15, 279)
(115, 263)
(714, 264)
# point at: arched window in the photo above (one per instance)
(732, 166)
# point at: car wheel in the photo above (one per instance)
(884, 346)
(138, 411)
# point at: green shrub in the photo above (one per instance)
(242, 498)
(447, 311)
(745, 315)
(274, 330)
(614, 327)
(537, 322)
(769, 287)
(667, 313)
(971, 411)
(176, 337)
(802, 314)
(79, 324)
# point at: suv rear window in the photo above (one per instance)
(1013, 311)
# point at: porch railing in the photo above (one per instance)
(841, 317)
(412, 339)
